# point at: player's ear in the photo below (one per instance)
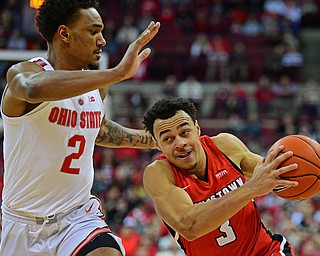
(64, 33)
(156, 144)
(198, 127)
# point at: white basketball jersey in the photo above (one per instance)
(48, 154)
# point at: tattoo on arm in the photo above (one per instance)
(114, 134)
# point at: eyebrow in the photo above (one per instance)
(97, 25)
(178, 127)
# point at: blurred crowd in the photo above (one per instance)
(212, 39)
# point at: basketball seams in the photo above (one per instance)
(300, 193)
(301, 175)
(300, 157)
(307, 142)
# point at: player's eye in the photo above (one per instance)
(185, 132)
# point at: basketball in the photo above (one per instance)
(306, 153)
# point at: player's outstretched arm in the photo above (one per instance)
(30, 83)
(115, 135)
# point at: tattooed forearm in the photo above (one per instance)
(113, 134)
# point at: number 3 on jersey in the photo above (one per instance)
(228, 234)
(66, 166)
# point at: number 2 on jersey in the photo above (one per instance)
(66, 166)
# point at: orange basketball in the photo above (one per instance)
(306, 153)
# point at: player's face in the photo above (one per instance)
(178, 139)
(87, 39)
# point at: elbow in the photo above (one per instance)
(189, 230)
(32, 95)
(29, 91)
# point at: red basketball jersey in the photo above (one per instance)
(243, 234)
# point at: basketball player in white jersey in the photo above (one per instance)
(53, 116)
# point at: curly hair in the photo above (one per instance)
(166, 108)
(54, 13)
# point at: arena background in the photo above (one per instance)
(266, 89)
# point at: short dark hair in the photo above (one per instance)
(53, 13)
(166, 108)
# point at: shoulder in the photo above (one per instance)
(22, 67)
(226, 140)
(158, 172)
(229, 144)
(158, 167)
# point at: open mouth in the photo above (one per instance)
(184, 155)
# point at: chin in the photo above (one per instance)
(93, 66)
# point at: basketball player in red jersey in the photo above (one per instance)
(198, 185)
(53, 117)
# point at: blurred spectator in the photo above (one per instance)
(130, 6)
(293, 14)
(304, 126)
(236, 125)
(289, 39)
(184, 17)
(239, 100)
(218, 7)
(286, 125)
(143, 72)
(218, 24)
(309, 13)
(292, 62)
(237, 16)
(200, 46)
(127, 32)
(169, 86)
(308, 99)
(252, 26)
(264, 96)
(191, 89)
(130, 237)
(137, 103)
(3, 37)
(270, 27)
(253, 127)
(166, 13)
(10, 14)
(221, 107)
(272, 63)
(235, 28)
(316, 136)
(239, 69)
(149, 6)
(201, 22)
(285, 88)
(168, 247)
(309, 247)
(144, 19)
(16, 41)
(218, 57)
(146, 247)
(110, 35)
(275, 7)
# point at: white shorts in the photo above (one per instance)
(59, 235)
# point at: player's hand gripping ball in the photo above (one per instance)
(306, 153)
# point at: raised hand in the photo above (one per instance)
(135, 53)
